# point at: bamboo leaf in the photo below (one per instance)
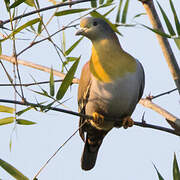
(93, 3)
(7, 109)
(119, 11)
(159, 175)
(166, 19)
(30, 3)
(158, 32)
(175, 17)
(7, 3)
(24, 122)
(30, 23)
(140, 14)
(176, 173)
(7, 120)
(73, 46)
(16, 3)
(67, 80)
(101, 1)
(124, 13)
(109, 12)
(64, 43)
(70, 11)
(40, 26)
(19, 113)
(177, 41)
(12, 170)
(51, 84)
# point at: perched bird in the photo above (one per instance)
(111, 84)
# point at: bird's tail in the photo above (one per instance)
(91, 148)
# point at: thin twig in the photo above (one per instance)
(162, 94)
(58, 150)
(30, 84)
(43, 9)
(88, 116)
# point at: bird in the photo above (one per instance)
(110, 86)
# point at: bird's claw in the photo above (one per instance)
(98, 118)
(127, 122)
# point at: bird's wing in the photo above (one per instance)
(141, 78)
(83, 95)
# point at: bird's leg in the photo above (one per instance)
(127, 122)
(98, 119)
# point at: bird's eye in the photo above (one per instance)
(95, 23)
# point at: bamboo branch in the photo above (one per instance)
(43, 9)
(36, 66)
(140, 124)
(165, 46)
(171, 119)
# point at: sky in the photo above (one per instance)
(124, 154)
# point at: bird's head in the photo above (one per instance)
(94, 28)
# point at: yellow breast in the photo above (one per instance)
(108, 64)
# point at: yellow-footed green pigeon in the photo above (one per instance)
(111, 84)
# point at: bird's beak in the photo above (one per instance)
(81, 31)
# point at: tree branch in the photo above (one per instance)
(43, 9)
(165, 46)
(140, 124)
(171, 119)
(36, 66)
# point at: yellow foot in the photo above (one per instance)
(127, 122)
(98, 118)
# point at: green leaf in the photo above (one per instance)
(16, 3)
(12, 170)
(40, 26)
(140, 14)
(7, 109)
(98, 15)
(24, 122)
(93, 3)
(166, 19)
(177, 41)
(124, 14)
(7, 3)
(30, 3)
(175, 17)
(30, 23)
(67, 80)
(64, 43)
(44, 93)
(70, 59)
(159, 175)
(70, 11)
(7, 120)
(109, 11)
(51, 84)
(101, 1)
(73, 46)
(19, 113)
(109, 1)
(119, 11)
(158, 32)
(176, 174)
